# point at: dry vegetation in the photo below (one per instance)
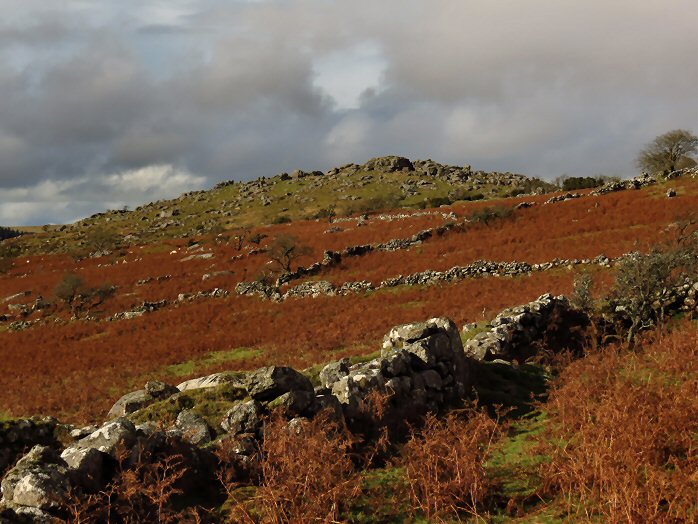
(73, 362)
(623, 427)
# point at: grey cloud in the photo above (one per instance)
(226, 90)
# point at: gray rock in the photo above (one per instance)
(109, 437)
(86, 466)
(432, 380)
(332, 372)
(210, 381)
(26, 515)
(293, 403)
(130, 403)
(194, 428)
(271, 382)
(160, 390)
(246, 417)
(396, 363)
(38, 480)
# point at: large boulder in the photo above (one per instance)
(333, 371)
(211, 381)
(130, 403)
(271, 382)
(160, 390)
(38, 480)
(245, 417)
(120, 433)
(389, 164)
(85, 467)
(436, 344)
(193, 428)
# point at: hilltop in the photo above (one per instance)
(380, 184)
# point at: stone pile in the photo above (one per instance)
(514, 333)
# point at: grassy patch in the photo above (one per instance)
(215, 358)
(210, 403)
(514, 465)
(382, 499)
(481, 327)
(515, 387)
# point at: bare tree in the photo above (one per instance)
(665, 152)
(79, 296)
(240, 236)
(285, 250)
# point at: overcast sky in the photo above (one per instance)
(105, 103)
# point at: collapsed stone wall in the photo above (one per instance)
(479, 268)
(517, 333)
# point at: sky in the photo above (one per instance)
(108, 103)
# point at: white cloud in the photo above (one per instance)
(61, 201)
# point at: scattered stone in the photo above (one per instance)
(271, 382)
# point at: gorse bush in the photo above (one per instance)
(489, 215)
(581, 182)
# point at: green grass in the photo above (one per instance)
(382, 499)
(514, 465)
(210, 403)
(5, 416)
(298, 199)
(481, 327)
(215, 358)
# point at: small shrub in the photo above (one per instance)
(8, 253)
(285, 251)
(489, 215)
(644, 284)
(582, 295)
(282, 219)
(581, 182)
(79, 296)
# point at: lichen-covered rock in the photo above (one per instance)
(85, 467)
(38, 480)
(268, 383)
(109, 437)
(246, 417)
(159, 390)
(130, 403)
(211, 381)
(293, 403)
(194, 428)
(333, 371)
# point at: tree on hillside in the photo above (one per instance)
(79, 296)
(8, 253)
(666, 152)
(285, 250)
(6, 232)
